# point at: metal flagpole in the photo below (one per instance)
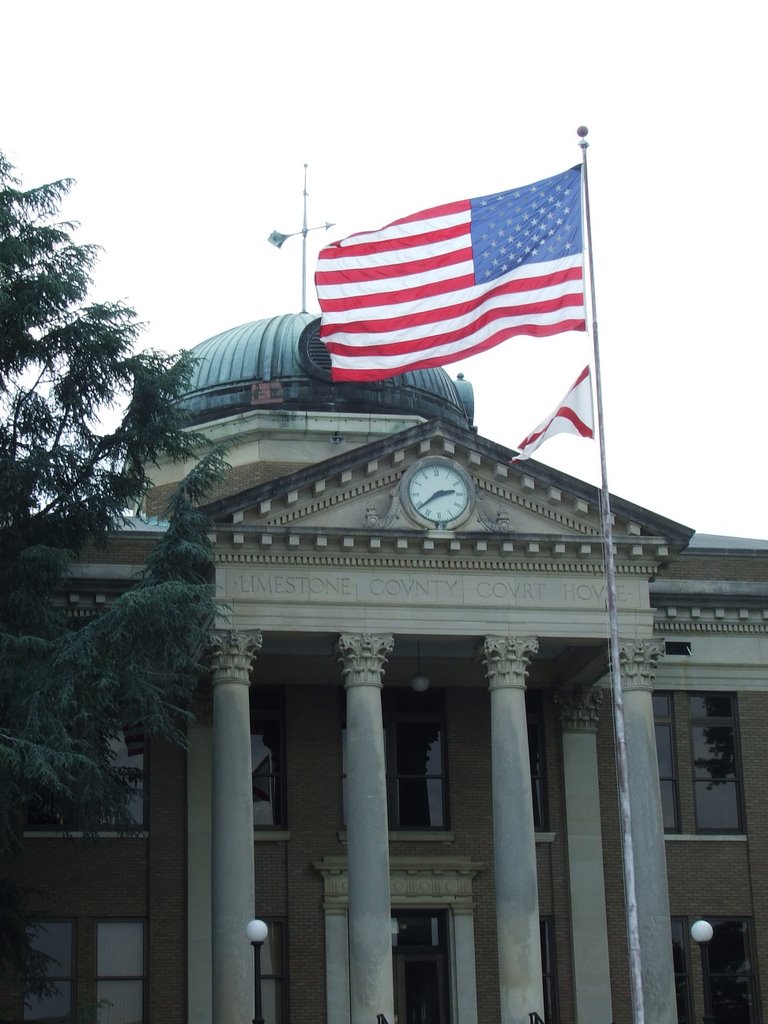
(633, 931)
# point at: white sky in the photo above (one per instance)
(187, 127)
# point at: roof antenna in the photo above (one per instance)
(277, 238)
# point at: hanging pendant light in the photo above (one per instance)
(419, 682)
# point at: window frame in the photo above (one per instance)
(70, 819)
(280, 978)
(750, 976)
(549, 969)
(98, 977)
(682, 968)
(667, 721)
(717, 721)
(277, 779)
(69, 978)
(534, 716)
(391, 716)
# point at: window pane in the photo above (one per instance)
(668, 804)
(730, 970)
(714, 752)
(420, 802)
(123, 1002)
(715, 765)
(419, 760)
(120, 949)
(661, 705)
(271, 1000)
(272, 950)
(664, 750)
(711, 705)
(55, 1007)
(267, 755)
(728, 951)
(418, 748)
(717, 805)
(128, 751)
(54, 938)
(682, 986)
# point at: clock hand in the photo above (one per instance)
(437, 494)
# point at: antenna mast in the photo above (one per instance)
(277, 238)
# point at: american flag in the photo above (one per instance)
(453, 280)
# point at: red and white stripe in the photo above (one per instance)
(573, 415)
(405, 297)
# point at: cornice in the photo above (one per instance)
(430, 555)
(722, 626)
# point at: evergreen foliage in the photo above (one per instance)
(67, 366)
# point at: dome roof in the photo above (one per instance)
(281, 362)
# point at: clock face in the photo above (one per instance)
(439, 492)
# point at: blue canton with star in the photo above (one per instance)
(533, 224)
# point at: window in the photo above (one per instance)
(680, 961)
(549, 980)
(54, 939)
(415, 758)
(267, 756)
(120, 972)
(536, 756)
(716, 783)
(273, 981)
(731, 972)
(47, 814)
(663, 717)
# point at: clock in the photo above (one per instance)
(438, 492)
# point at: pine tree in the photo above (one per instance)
(67, 366)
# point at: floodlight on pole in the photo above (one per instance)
(277, 238)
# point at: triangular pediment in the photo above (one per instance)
(376, 496)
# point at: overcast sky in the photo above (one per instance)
(187, 127)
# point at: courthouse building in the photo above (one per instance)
(403, 755)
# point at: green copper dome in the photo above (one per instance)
(281, 362)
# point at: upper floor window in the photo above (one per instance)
(128, 763)
(55, 940)
(120, 972)
(415, 758)
(267, 756)
(716, 770)
(663, 717)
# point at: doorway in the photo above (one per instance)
(420, 967)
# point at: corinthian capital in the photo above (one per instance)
(507, 659)
(579, 708)
(231, 654)
(638, 663)
(362, 657)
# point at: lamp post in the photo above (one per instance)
(257, 933)
(701, 933)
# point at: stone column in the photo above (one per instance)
(466, 969)
(638, 666)
(370, 935)
(336, 965)
(514, 841)
(232, 871)
(579, 709)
